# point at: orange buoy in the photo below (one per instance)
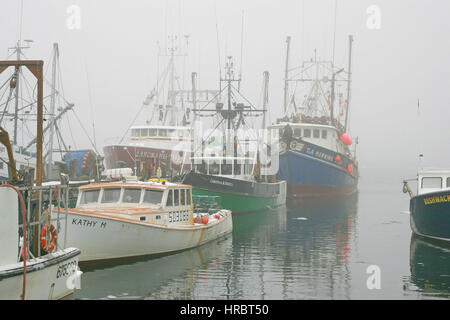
(205, 220)
(350, 168)
(345, 138)
(337, 158)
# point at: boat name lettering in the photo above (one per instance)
(87, 223)
(437, 199)
(178, 216)
(66, 269)
(225, 183)
(150, 154)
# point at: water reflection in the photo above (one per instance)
(430, 267)
(148, 277)
(293, 253)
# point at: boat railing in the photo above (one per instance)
(40, 202)
(206, 204)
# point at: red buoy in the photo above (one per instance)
(197, 220)
(345, 138)
(337, 158)
(216, 216)
(205, 220)
(350, 168)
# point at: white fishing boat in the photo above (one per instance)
(133, 218)
(52, 275)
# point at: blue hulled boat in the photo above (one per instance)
(430, 207)
(315, 157)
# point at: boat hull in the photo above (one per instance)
(239, 196)
(104, 238)
(430, 215)
(46, 277)
(312, 171)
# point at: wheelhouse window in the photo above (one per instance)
(201, 168)
(152, 132)
(111, 195)
(237, 169)
(162, 132)
(307, 133)
(153, 196)
(448, 182)
(324, 134)
(182, 197)
(297, 132)
(432, 182)
(169, 202)
(89, 196)
(135, 132)
(144, 132)
(227, 169)
(188, 197)
(316, 133)
(214, 168)
(176, 198)
(131, 195)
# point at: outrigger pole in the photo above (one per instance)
(350, 42)
(286, 71)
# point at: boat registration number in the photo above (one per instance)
(178, 216)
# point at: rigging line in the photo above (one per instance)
(213, 99)
(71, 134)
(7, 81)
(242, 46)
(132, 122)
(334, 32)
(6, 106)
(20, 22)
(204, 140)
(218, 42)
(85, 131)
(90, 103)
(251, 105)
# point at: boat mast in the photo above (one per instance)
(52, 109)
(286, 70)
(350, 42)
(265, 97)
(18, 49)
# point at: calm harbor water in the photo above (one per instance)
(320, 249)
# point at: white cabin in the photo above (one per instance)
(432, 181)
(321, 135)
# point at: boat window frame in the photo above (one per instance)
(142, 131)
(169, 196)
(324, 134)
(89, 203)
(297, 132)
(151, 203)
(111, 188)
(131, 188)
(421, 183)
(316, 133)
(307, 132)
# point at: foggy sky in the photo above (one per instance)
(407, 59)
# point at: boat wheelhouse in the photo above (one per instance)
(430, 207)
(132, 218)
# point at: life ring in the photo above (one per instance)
(48, 244)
